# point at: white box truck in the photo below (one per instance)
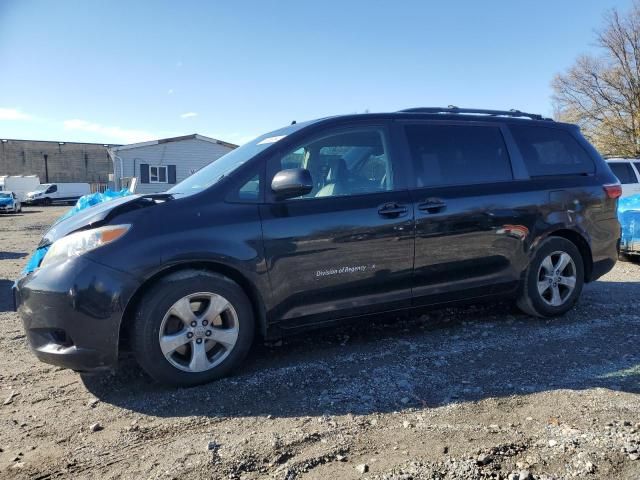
(19, 184)
(49, 193)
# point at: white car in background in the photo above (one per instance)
(9, 203)
(628, 172)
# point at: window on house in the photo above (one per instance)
(157, 174)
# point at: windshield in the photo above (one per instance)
(42, 187)
(223, 166)
(5, 195)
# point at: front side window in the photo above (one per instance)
(458, 154)
(351, 162)
(157, 174)
(551, 151)
(52, 189)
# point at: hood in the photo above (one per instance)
(6, 201)
(90, 217)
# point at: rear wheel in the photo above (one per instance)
(554, 280)
(192, 327)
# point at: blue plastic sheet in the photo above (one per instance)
(83, 203)
(629, 216)
(34, 260)
(87, 201)
(629, 203)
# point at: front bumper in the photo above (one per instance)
(72, 312)
(7, 208)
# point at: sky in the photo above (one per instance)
(129, 71)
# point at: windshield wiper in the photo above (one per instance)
(158, 196)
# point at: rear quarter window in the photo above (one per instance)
(551, 151)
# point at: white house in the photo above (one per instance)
(160, 164)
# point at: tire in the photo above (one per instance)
(534, 299)
(169, 306)
(631, 258)
(46, 202)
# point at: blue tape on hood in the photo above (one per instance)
(92, 199)
(34, 261)
(83, 203)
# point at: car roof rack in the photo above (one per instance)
(476, 111)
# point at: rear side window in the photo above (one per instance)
(551, 151)
(624, 172)
(458, 154)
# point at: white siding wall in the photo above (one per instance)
(186, 155)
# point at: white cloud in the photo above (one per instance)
(111, 133)
(170, 91)
(189, 115)
(13, 114)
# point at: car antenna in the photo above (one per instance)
(293, 123)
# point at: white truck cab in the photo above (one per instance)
(20, 185)
(628, 172)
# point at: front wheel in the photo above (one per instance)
(553, 282)
(192, 327)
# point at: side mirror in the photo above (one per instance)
(292, 183)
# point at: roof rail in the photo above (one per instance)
(476, 111)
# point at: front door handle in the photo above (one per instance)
(432, 205)
(392, 210)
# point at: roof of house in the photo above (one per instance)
(175, 139)
(6, 140)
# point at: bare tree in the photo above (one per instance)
(602, 93)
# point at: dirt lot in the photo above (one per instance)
(475, 392)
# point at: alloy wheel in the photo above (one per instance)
(556, 278)
(199, 331)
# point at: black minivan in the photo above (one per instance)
(321, 222)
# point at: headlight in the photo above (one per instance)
(82, 242)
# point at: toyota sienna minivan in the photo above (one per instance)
(321, 222)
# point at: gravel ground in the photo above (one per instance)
(471, 393)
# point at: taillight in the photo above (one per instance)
(613, 190)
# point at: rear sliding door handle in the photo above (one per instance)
(392, 210)
(432, 205)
